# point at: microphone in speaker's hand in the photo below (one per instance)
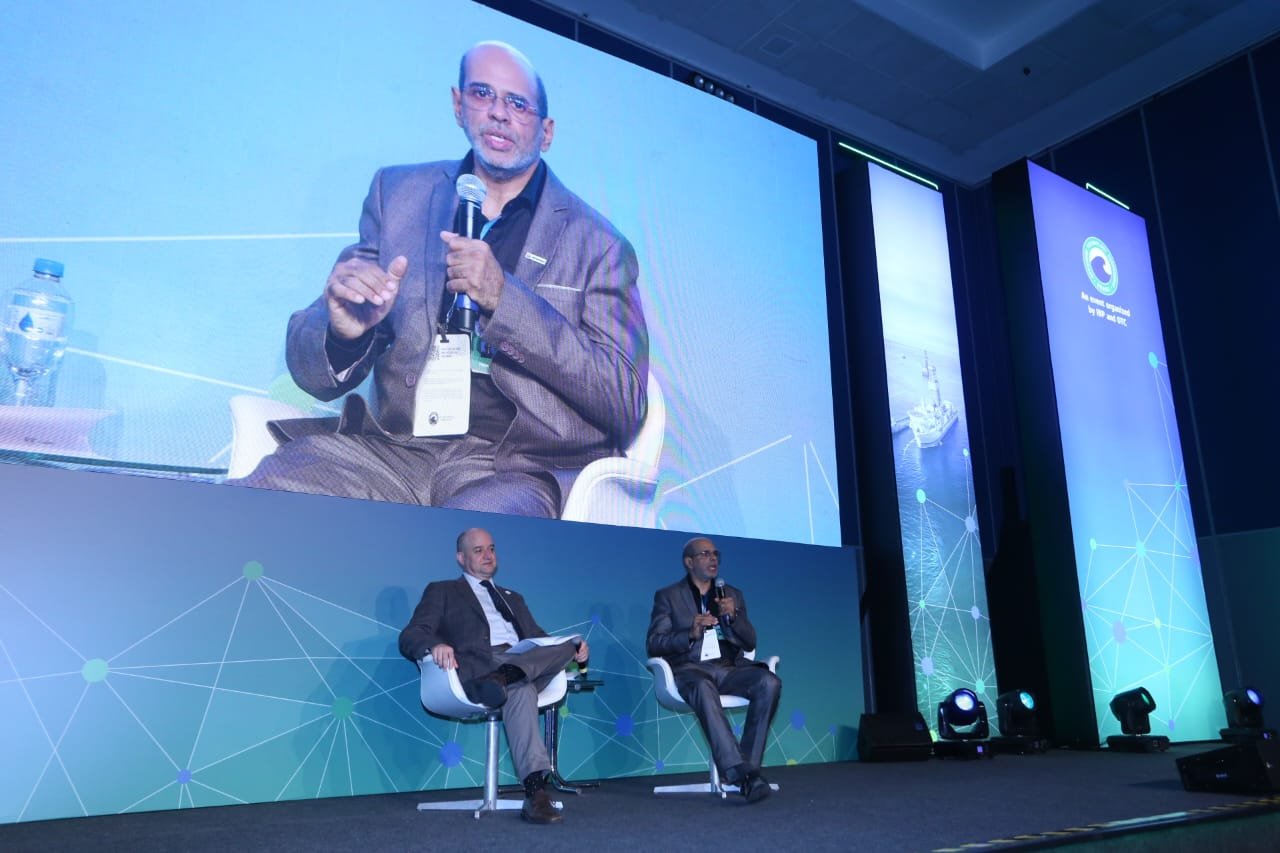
(471, 193)
(719, 596)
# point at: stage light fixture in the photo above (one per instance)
(962, 726)
(1244, 707)
(1133, 710)
(1016, 711)
(701, 81)
(1244, 716)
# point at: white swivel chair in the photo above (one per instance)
(664, 689)
(442, 695)
(614, 490)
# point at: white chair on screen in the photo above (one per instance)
(442, 695)
(620, 489)
(250, 438)
(664, 689)
(615, 490)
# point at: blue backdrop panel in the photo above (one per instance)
(167, 644)
(1137, 563)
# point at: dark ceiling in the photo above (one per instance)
(959, 87)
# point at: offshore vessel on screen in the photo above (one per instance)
(933, 417)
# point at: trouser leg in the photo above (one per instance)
(520, 713)
(698, 688)
(510, 493)
(455, 472)
(762, 689)
(351, 466)
(520, 720)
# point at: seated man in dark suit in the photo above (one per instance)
(469, 624)
(702, 630)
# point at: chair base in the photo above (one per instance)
(479, 807)
(703, 788)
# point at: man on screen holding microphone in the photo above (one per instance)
(700, 625)
(497, 312)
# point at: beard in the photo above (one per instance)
(514, 162)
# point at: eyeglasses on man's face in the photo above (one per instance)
(481, 96)
(707, 553)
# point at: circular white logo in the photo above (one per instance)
(1100, 266)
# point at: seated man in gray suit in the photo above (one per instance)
(469, 624)
(544, 370)
(702, 629)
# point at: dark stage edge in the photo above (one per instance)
(1010, 802)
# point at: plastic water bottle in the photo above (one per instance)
(37, 321)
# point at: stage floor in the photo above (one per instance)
(1007, 802)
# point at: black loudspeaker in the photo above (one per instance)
(1244, 768)
(901, 736)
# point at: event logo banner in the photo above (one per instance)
(1138, 568)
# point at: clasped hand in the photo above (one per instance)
(701, 623)
(472, 269)
(359, 294)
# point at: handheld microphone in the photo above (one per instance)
(719, 594)
(471, 193)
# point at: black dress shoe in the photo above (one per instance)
(487, 690)
(755, 788)
(538, 807)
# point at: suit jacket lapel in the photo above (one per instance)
(440, 209)
(469, 601)
(548, 224)
(684, 600)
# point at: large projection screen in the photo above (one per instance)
(1137, 563)
(167, 644)
(198, 170)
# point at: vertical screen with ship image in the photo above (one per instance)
(946, 591)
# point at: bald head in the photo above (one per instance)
(701, 561)
(477, 554)
(495, 48)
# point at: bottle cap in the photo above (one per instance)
(48, 267)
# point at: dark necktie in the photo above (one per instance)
(503, 610)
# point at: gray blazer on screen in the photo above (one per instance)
(572, 347)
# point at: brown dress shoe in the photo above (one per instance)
(538, 808)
